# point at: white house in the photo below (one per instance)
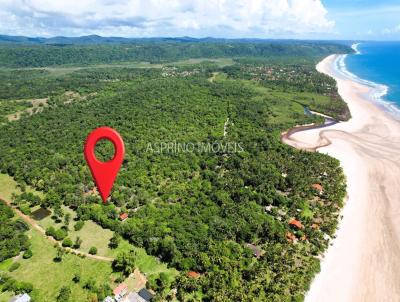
(21, 298)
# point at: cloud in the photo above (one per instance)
(229, 18)
(390, 31)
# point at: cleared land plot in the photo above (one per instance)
(94, 235)
(9, 186)
(36, 106)
(48, 276)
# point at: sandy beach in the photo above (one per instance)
(363, 262)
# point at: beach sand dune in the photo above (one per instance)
(363, 262)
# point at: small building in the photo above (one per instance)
(315, 226)
(21, 298)
(123, 216)
(257, 252)
(120, 291)
(133, 297)
(296, 224)
(291, 237)
(109, 299)
(193, 274)
(145, 294)
(318, 188)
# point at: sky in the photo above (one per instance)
(299, 19)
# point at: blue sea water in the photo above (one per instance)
(379, 64)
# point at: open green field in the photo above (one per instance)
(63, 70)
(221, 62)
(48, 276)
(94, 235)
(9, 186)
(5, 296)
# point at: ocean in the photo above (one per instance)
(377, 64)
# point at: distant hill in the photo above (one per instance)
(95, 39)
(21, 51)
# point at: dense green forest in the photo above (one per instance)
(199, 208)
(50, 55)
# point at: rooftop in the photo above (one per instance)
(119, 289)
(21, 298)
(133, 297)
(317, 187)
(145, 294)
(193, 274)
(123, 216)
(296, 223)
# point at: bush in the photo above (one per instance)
(79, 225)
(25, 209)
(50, 231)
(64, 295)
(76, 278)
(14, 266)
(78, 242)
(67, 242)
(23, 287)
(12, 285)
(93, 250)
(28, 254)
(60, 234)
(21, 225)
(90, 284)
(59, 255)
(114, 241)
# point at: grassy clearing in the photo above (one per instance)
(62, 70)
(150, 265)
(221, 62)
(36, 106)
(5, 296)
(4, 266)
(48, 276)
(66, 69)
(94, 235)
(8, 107)
(8, 186)
(91, 234)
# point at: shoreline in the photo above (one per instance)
(361, 262)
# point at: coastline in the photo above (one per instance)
(361, 262)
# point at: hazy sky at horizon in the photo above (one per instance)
(302, 19)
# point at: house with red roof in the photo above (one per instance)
(120, 291)
(297, 224)
(123, 216)
(193, 274)
(318, 188)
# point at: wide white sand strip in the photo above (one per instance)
(363, 262)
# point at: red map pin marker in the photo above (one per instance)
(104, 173)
